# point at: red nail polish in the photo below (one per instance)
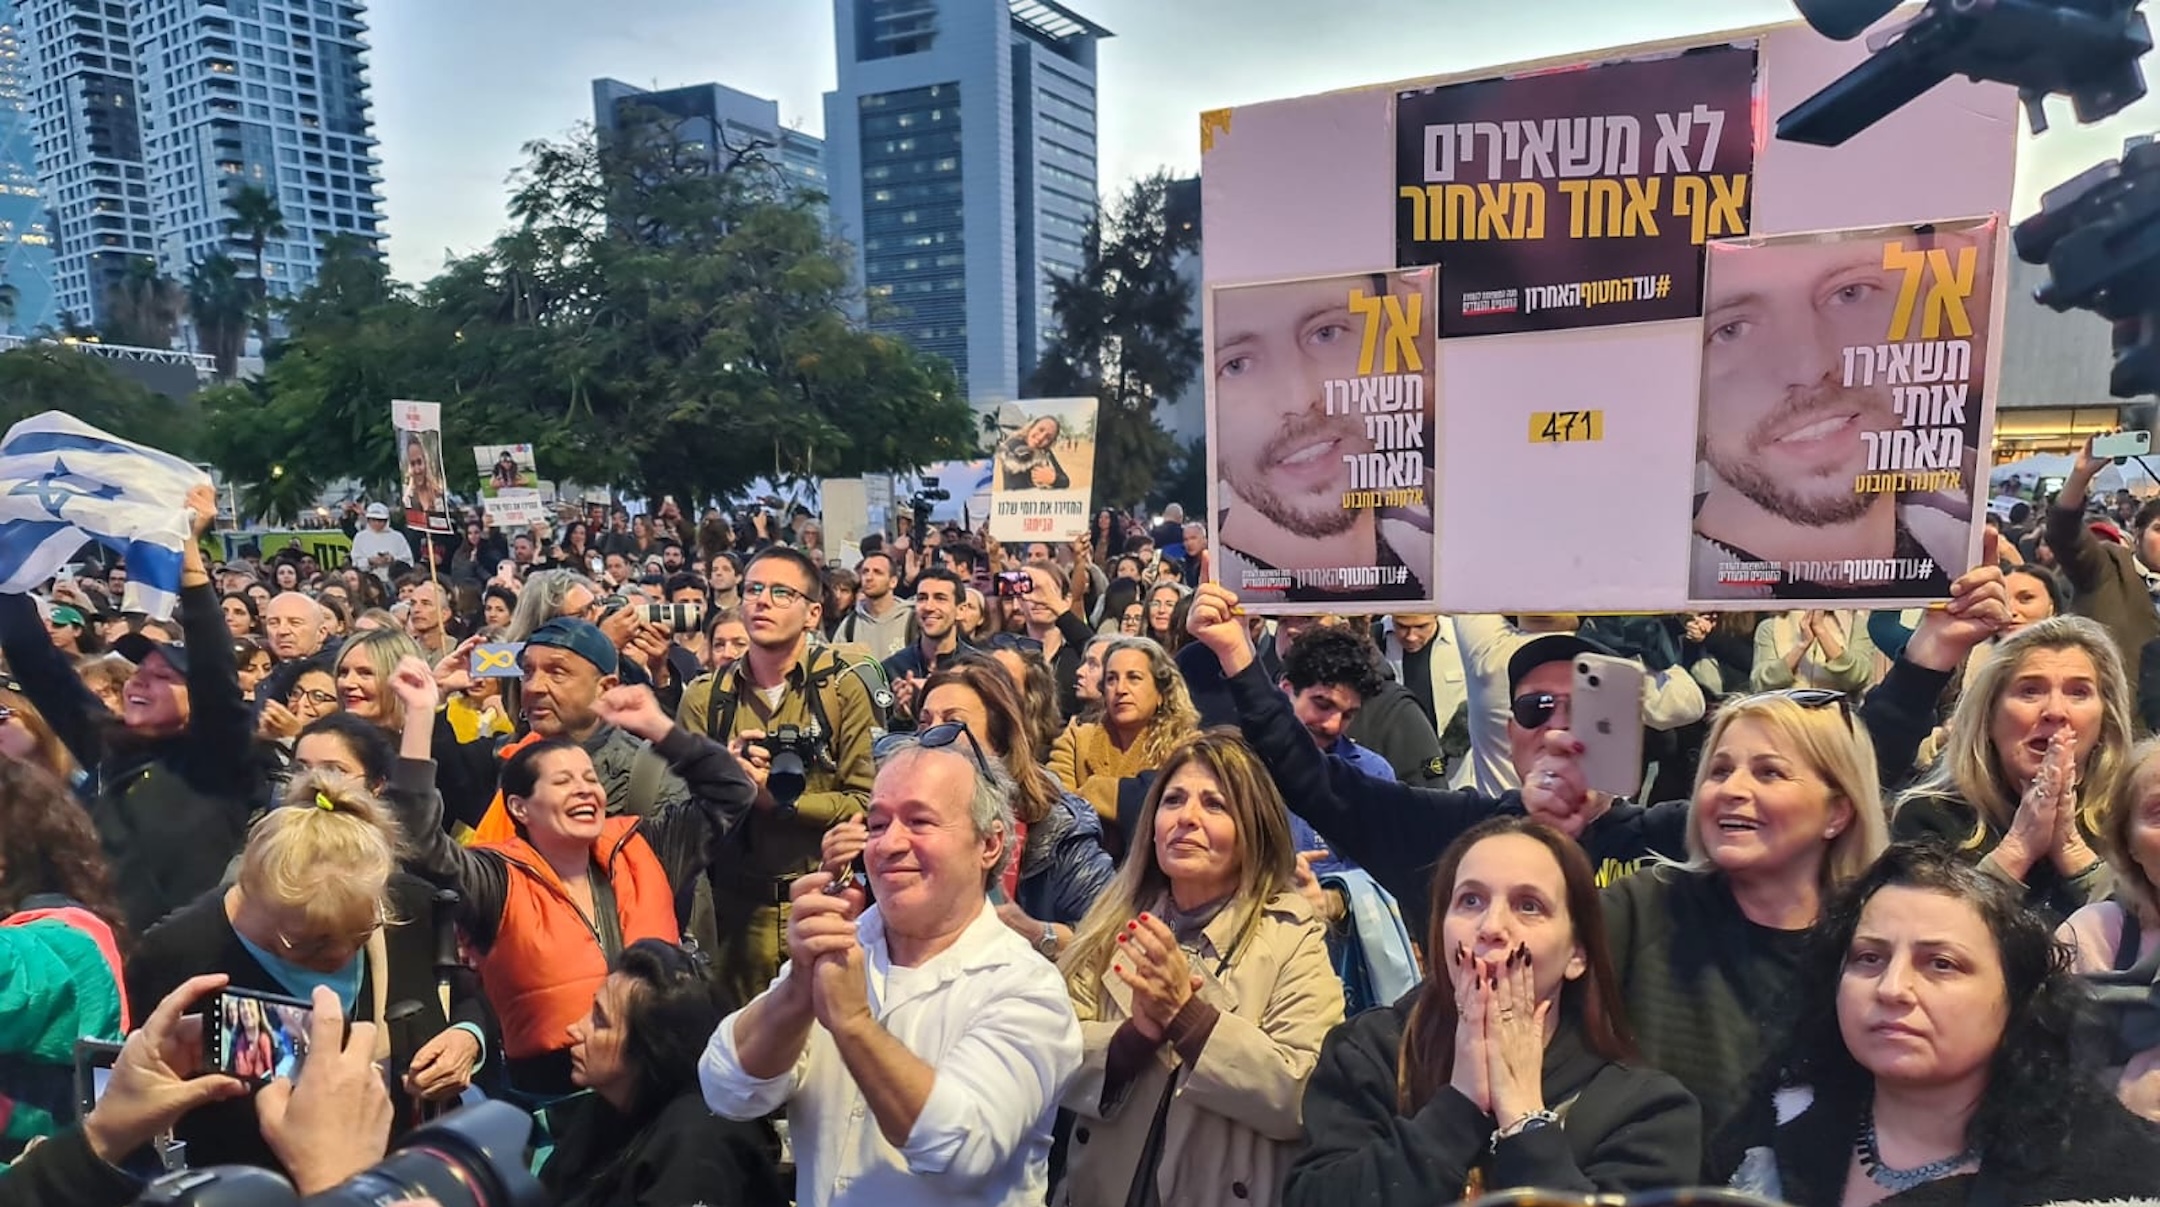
(1145, 918)
(1122, 938)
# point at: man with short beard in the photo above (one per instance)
(1781, 432)
(937, 625)
(1280, 453)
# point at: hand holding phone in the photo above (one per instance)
(1606, 715)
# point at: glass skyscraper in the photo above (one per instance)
(26, 253)
(960, 147)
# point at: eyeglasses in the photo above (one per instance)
(315, 945)
(1016, 643)
(780, 593)
(1813, 698)
(933, 738)
(6, 714)
(1532, 710)
(317, 698)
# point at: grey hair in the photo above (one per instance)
(990, 797)
(542, 598)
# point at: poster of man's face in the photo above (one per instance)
(1785, 430)
(1321, 433)
(1278, 449)
(1840, 410)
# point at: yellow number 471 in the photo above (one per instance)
(1566, 427)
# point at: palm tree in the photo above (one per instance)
(219, 302)
(10, 303)
(256, 219)
(143, 307)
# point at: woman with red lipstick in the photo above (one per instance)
(1934, 1061)
(1202, 982)
(2037, 753)
(1461, 1087)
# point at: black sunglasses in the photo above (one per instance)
(1015, 642)
(931, 739)
(1532, 710)
(1812, 698)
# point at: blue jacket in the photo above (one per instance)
(1064, 866)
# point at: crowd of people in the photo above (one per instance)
(941, 870)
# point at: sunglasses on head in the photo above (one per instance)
(944, 734)
(1812, 698)
(1017, 643)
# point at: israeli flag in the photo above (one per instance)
(64, 483)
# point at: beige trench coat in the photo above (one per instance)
(1235, 1120)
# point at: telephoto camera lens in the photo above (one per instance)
(470, 1158)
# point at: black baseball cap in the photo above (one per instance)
(1551, 647)
(136, 647)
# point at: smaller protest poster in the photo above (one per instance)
(1043, 471)
(1320, 405)
(422, 485)
(1843, 415)
(1576, 198)
(509, 484)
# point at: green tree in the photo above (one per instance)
(1125, 334)
(254, 221)
(37, 378)
(219, 302)
(143, 307)
(673, 331)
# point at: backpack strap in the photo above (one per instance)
(646, 771)
(2126, 947)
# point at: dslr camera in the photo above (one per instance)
(793, 749)
(470, 1158)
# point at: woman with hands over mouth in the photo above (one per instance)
(548, 910)
(2037, 755)
(1461, 1087)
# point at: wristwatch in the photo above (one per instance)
(1048, 943)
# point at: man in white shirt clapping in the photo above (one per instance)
(919, 1045)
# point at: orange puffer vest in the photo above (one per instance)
(547, 964)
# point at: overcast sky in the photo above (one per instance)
(461, 85)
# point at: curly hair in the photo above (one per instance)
(47, 845)
(1176, 719)
(2025, 1116)
(1333, 656)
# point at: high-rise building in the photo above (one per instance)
(86, 117)
(149, 113)
(264, 93)
(26, 254)
(961, 148)
(715, 120)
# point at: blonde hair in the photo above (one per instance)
(326, 853)
(1970, 768)
(1175, 720)
(1267, 856)
(2140, 895)
(1833, 745)
(383, 649)
(102, 671)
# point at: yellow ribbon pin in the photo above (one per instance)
(485, 660)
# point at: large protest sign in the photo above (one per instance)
(1320, 435)
(422, 486)
(509, 484)
(1043, 470)
(1843, 398)
(1564, 436)
(1575, 198)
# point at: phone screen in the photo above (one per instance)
(257, 1036)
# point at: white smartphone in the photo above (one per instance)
(2122, 444)
(1605, 714)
